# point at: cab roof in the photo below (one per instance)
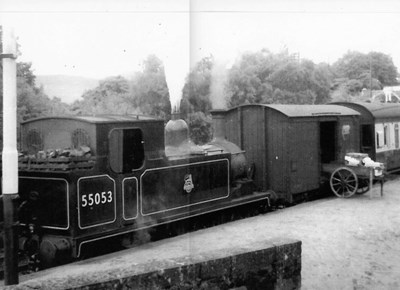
(99, 119)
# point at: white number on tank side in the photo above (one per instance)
(96, 198)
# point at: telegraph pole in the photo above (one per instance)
(370, 77)
(10, 157)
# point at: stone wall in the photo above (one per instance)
(276, 265)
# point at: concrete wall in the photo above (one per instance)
(275, 265)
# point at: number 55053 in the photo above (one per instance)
(96, 198)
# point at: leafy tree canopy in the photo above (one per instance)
(149, 89)
(196, 91)
(263, 77)
(359, 66)
(200, 127)
(111, 96)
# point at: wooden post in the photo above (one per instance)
(371, 180)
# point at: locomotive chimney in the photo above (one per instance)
(218, 122)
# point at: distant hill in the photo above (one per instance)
(67, 88)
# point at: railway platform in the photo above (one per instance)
(191, 261)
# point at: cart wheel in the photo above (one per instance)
(344, 182)
(363, 186)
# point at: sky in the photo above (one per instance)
(97, 39)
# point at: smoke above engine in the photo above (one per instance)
(175, 74)
(176, 130)
(219, 78)
(177, 69)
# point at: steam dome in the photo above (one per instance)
(176, 132)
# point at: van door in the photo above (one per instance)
(303, 165)
(327, 141)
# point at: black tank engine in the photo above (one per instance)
(82, 179)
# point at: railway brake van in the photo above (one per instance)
(287, 144)
(379, 132)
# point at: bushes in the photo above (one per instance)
(200, 127)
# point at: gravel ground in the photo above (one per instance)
(346, 244)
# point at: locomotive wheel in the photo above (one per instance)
(344, 182)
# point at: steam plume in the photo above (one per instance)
(219, 77)
(175, 73)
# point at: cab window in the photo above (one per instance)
(126, 150)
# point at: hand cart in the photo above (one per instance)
(346, 180)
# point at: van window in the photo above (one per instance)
(379, 139)
(126, 150)
(386, 135)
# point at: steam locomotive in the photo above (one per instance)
(87, 178)
(82, 179)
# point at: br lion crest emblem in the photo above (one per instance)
(188, 186)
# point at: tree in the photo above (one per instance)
(111, 96)
(32, 102)
(351, 65)
(149, 89)
(200, 127)
(263, 77)
(322, 79)
(293, 77)
(358, 66)
(58, 107)
(383, 68)
(248, 79)
(287, 97)
(197, 89)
